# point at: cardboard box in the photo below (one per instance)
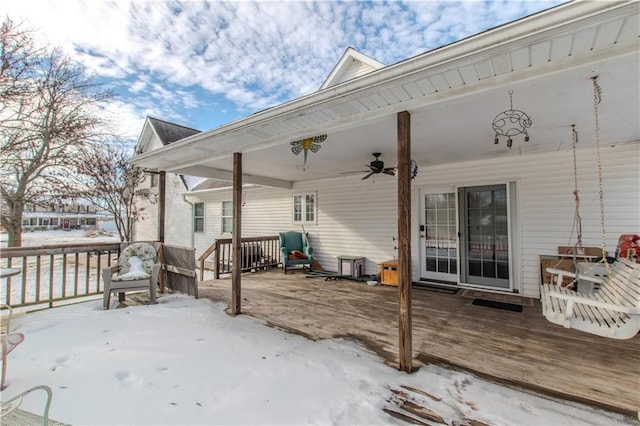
(564, 264)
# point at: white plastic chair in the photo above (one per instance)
(125, 277)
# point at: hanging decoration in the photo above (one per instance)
(511, 123)
(413, 169)
(306, 145)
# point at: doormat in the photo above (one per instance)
(498, 297)
(497, 305)
(434, 288)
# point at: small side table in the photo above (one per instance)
(351, 266)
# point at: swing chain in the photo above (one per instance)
(577, 220)
(597, 98)
(576, 192)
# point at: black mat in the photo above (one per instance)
(434, 287)
(497, 305)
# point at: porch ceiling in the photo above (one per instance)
(453, 94)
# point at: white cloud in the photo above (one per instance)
(256, 54)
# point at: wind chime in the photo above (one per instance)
(510, 123)
(306, 145)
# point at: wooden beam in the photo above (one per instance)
(236, 237)
(211, 172)
(405, 345)
(162, 179)
(162, 182)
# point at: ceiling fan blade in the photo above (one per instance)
(391, 171)
(368, 176)
(353, 172)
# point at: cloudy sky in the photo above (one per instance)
(206, 63)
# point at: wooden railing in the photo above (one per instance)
(255, 253)
(53, 273)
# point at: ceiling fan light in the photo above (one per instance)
(496, 141)
(509, 143)
(526, 138)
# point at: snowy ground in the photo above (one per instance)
(184, 362)
(75, 236)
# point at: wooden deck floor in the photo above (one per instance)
(519, 348)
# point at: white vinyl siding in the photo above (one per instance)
(358, 218)
(178, 218)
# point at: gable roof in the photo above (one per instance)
(167, 133)
(352, 64)
(170, 132)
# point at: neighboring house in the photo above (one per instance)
(70, 214)
(179, 211)
(481, 213)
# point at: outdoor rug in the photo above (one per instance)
(496, 297)
(497, 305)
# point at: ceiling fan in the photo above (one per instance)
(377, 166)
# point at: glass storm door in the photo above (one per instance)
(438, 235)
(485, 236)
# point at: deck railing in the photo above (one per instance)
(50, 274)
(256, 253)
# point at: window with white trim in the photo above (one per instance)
(304, 208)
(198, 217)
(227, 217)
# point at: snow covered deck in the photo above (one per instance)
(520, 348)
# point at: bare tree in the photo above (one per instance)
(111, 183)
(51, 111)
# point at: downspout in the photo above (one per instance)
(193, 239)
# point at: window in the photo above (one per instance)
(198, 217)
(227, 217)
(304, 208)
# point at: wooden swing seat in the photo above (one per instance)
(611, 311)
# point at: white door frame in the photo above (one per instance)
(452, 278)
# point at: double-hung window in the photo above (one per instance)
(304, 208)
(227, 217)
(198, 217)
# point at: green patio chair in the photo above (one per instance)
(295, 250)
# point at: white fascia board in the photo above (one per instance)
(561, 18)
(142, 138)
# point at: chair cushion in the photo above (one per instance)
(297, 255)
(136, 271)
(143, 251)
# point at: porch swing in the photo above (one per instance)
(612, 310)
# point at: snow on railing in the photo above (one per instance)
(53, 273)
